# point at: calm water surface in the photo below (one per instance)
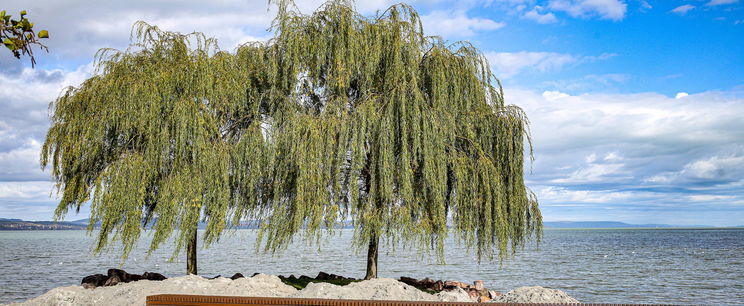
(679, 266)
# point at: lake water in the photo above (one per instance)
(671, 266)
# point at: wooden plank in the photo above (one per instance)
(205, 300)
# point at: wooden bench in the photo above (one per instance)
(204, 300)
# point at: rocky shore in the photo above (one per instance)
(118, 287)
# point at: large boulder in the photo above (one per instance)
(95, 280)
(153, 276)
(123, 276)
(534, 294)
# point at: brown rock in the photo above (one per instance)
(483, 299)
(478, 285)
(493, 294)
(474, 295)
(437, 286)
(236, 276)
(112, 281)
(427, 281)
(456, 284)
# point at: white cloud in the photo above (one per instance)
(612, 156)
(508, 64)
(554, 95)
(709, 198)
(591, 82)
(681, 95)
(605, 9)
(645, 6)
(26, 191)
(568, 196)
(591, 158)
(595, 173)
(704, 119)
(22, 162)
(683, 9)
(546, 18)
(720, 2)
(456, 24)
(715, 168)
(24, 118)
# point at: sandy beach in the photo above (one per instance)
(262, 285)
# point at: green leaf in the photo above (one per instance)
(23, 13)
(43, 34)
(10, 44)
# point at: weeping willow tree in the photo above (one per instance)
(403, 134)
(338, 117)
(163, 136)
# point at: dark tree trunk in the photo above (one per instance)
(372, 253)
(191, 256)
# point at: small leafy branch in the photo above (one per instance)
(18, 35)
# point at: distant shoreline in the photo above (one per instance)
(18, 224)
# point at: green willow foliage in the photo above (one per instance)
(338, 117)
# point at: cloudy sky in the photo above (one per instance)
(637, 107)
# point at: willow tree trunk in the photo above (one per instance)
(372, 253)
(191, 256)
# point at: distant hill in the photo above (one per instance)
(18, 225)
(609, 224)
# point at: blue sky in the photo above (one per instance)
(637, 107)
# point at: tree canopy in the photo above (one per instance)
(337, 117)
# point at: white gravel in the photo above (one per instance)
(535, 294)
(262, 285)
(375, 289)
